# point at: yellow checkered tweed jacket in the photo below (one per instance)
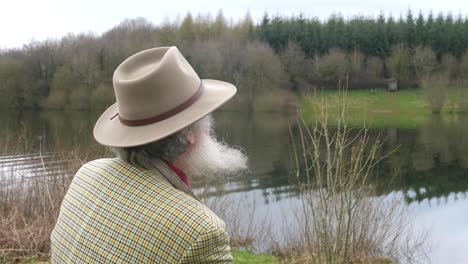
(114, 212)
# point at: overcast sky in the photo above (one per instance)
(24, 20)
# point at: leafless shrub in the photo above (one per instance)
(246, 227)
(331, 67)
(339, 219)
(400, 63)
(464, 67)
(374, 69)
(424, 60)
(435, 87)
(297, 66)
(356, 62)
(449, 65)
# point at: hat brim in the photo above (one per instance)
(111, 132)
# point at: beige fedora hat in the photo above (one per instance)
(158, 93)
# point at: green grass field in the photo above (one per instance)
(379, 108)
(241, 257)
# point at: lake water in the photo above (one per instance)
(431, 165)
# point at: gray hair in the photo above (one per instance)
(168, 148)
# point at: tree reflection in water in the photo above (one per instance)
(431, 161)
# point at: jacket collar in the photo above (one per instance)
(170, 176)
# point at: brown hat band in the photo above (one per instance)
(165, 115)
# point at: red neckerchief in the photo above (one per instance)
(179, 173)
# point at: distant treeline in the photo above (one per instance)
(264, 60)
(402, 48)
(445, 34)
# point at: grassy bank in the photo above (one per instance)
(379, 108)
(240, 257)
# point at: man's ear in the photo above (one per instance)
(191, 137)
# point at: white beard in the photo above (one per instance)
(209, 158)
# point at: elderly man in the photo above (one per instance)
(139, 207)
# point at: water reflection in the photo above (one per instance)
(431, 161)
(48, 130)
